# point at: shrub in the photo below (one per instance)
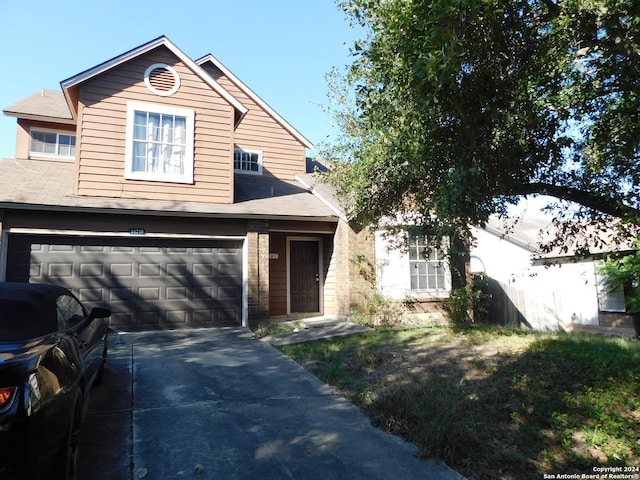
(465, 305)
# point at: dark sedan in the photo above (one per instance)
(51, 353)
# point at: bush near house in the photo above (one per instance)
(623, 273)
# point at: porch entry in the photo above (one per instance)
(304, 275)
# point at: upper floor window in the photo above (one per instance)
(48, 143)
(159, 143)
(246, 161)
(427, 264)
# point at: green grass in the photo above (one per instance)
(534, 404)
(265, 330)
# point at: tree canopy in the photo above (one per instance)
(455, 109)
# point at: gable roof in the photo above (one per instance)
(532, 229)
(312, 180)
(71, 83)
(524, 232)
(42, 105)
(251, 94)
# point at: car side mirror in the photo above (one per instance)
(98, 312)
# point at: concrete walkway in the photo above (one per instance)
(322, 328)
(607, 331)
(217, 404)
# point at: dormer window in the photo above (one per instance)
(49, 143)
(159, 143)
(247, 161)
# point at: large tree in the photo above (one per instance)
(455, 109)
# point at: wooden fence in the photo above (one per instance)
(513, 307)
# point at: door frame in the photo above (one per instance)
(318, 240)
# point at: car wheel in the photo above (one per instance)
(66, 466)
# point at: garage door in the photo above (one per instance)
(147, 283)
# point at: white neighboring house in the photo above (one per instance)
(543, 292)
(548, 291)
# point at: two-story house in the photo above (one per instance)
(166, 189)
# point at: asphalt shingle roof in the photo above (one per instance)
(43, 103)
(48, 185)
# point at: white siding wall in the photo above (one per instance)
(498, 258)
(393, 274)
(548, 297)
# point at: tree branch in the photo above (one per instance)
(553, 7)
(600, 203)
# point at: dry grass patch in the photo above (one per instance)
(493, 403)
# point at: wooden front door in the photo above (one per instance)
(304, 276)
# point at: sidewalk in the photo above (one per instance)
(316, 329)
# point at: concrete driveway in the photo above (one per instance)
(217, 404)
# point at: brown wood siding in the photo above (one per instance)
(278, 275)
(283, 156)
(101, 146)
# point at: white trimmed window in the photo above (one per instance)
(427, 265)
(49, 143)
(609, 300)
(159, 143)
(247, 161)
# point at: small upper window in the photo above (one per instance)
(245, 161)
(52, 144)
(159, 143)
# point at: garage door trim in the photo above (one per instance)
(95, 235)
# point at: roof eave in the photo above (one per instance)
(507, 238)
(166, 213)
(39, 118)
(334, 208)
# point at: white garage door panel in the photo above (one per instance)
(147, 283)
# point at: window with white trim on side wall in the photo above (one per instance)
(51, 143)
(427, 264)
(159, 143)
(247, 161)
(609, 300)
(407, 268)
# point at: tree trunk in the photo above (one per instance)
(460, 258)
(635, 317)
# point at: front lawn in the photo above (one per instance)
(493, 403)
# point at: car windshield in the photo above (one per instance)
(19, 320)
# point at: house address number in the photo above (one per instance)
(137, 231)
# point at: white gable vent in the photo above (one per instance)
(162, 79)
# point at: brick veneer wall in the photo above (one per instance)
(258, 270)
(345, 288)
(352, 287)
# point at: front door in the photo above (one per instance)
(304, 276)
